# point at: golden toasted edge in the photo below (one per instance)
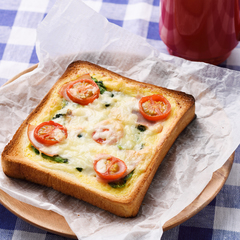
(14, 165)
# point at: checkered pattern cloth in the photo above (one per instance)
(18, 22)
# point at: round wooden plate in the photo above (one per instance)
(55, 223)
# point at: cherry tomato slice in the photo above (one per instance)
(50, 133)
(83, 91)
(109, 168)
(154, 107)
(62, 90)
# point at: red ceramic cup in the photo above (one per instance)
(200, 30)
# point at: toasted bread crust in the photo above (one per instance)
(15, 164)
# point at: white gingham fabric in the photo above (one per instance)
(18, 22)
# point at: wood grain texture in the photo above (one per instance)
(207, 195)
(55, 223)
(20, 74)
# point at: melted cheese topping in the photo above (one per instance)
(85, 124)
(101, 166)
(113, 110)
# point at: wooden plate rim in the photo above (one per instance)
(55, 223)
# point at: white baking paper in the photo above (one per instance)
(73, 31)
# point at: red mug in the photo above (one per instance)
(200, 30)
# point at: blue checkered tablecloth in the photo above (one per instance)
(18, 22)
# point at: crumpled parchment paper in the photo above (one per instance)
(73, 31)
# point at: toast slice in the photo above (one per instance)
(81, 161)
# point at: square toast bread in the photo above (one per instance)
(141, 148)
